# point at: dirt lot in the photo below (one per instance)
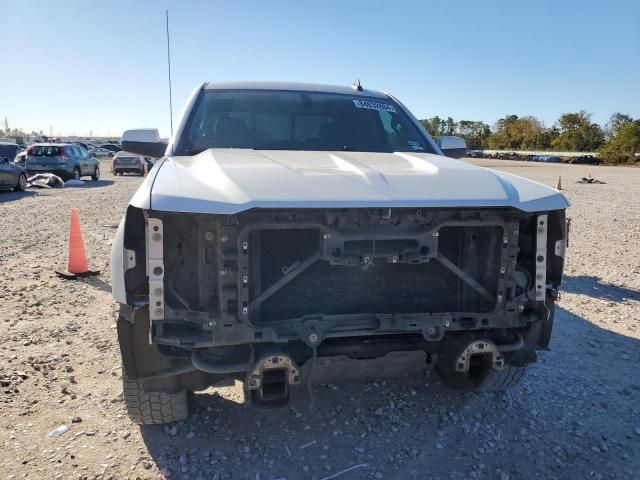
(577, 414)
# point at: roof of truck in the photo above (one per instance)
(302, 87)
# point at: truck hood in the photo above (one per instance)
(227, 181)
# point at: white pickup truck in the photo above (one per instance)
(301, 233)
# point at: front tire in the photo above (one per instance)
(22, 183)
(496, 381)
(96, 174)
(153, 408)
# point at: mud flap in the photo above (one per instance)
(546, 325)
(138, 357)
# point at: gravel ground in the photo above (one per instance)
(576, 415)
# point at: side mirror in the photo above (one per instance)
(454, 147)
(143, 141)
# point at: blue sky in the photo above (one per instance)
(100, 66)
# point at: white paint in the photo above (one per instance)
(147, 135)
(227, 181)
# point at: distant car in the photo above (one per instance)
(125, 162)
(586, 160)
(83, 145)
(112, 147)
(101, 152)
(63, 159)
(551, 159)
(11, 175)
(507, 156)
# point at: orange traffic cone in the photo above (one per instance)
(559, 184)
(77, 265)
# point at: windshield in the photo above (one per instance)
(288, 120)
(44, 151)
(8, 151)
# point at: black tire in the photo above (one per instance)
(76, 174)
(96, 174)
(502, 380)
(22, 183)
(153, 408)
(494, 381)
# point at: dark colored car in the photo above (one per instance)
(111, 146)
(551, 159)
(63, 159)
(11, 175)
(586, 160)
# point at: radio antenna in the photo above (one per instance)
(169, 65)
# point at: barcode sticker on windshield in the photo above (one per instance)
(415, 145)
(382, 107)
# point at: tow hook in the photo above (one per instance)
(268, 382)
(479, 348)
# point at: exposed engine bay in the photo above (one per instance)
(281, 297)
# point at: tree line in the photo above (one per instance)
(617, 142)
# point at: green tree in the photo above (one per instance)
(578, 133)
(616, 121)
(434, 125)
(450, 126)
(548, 137)
(475, 133)
(518, 133)
(624, 144)
(502, 137)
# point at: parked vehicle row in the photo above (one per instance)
(583, 159)
(68, 160)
